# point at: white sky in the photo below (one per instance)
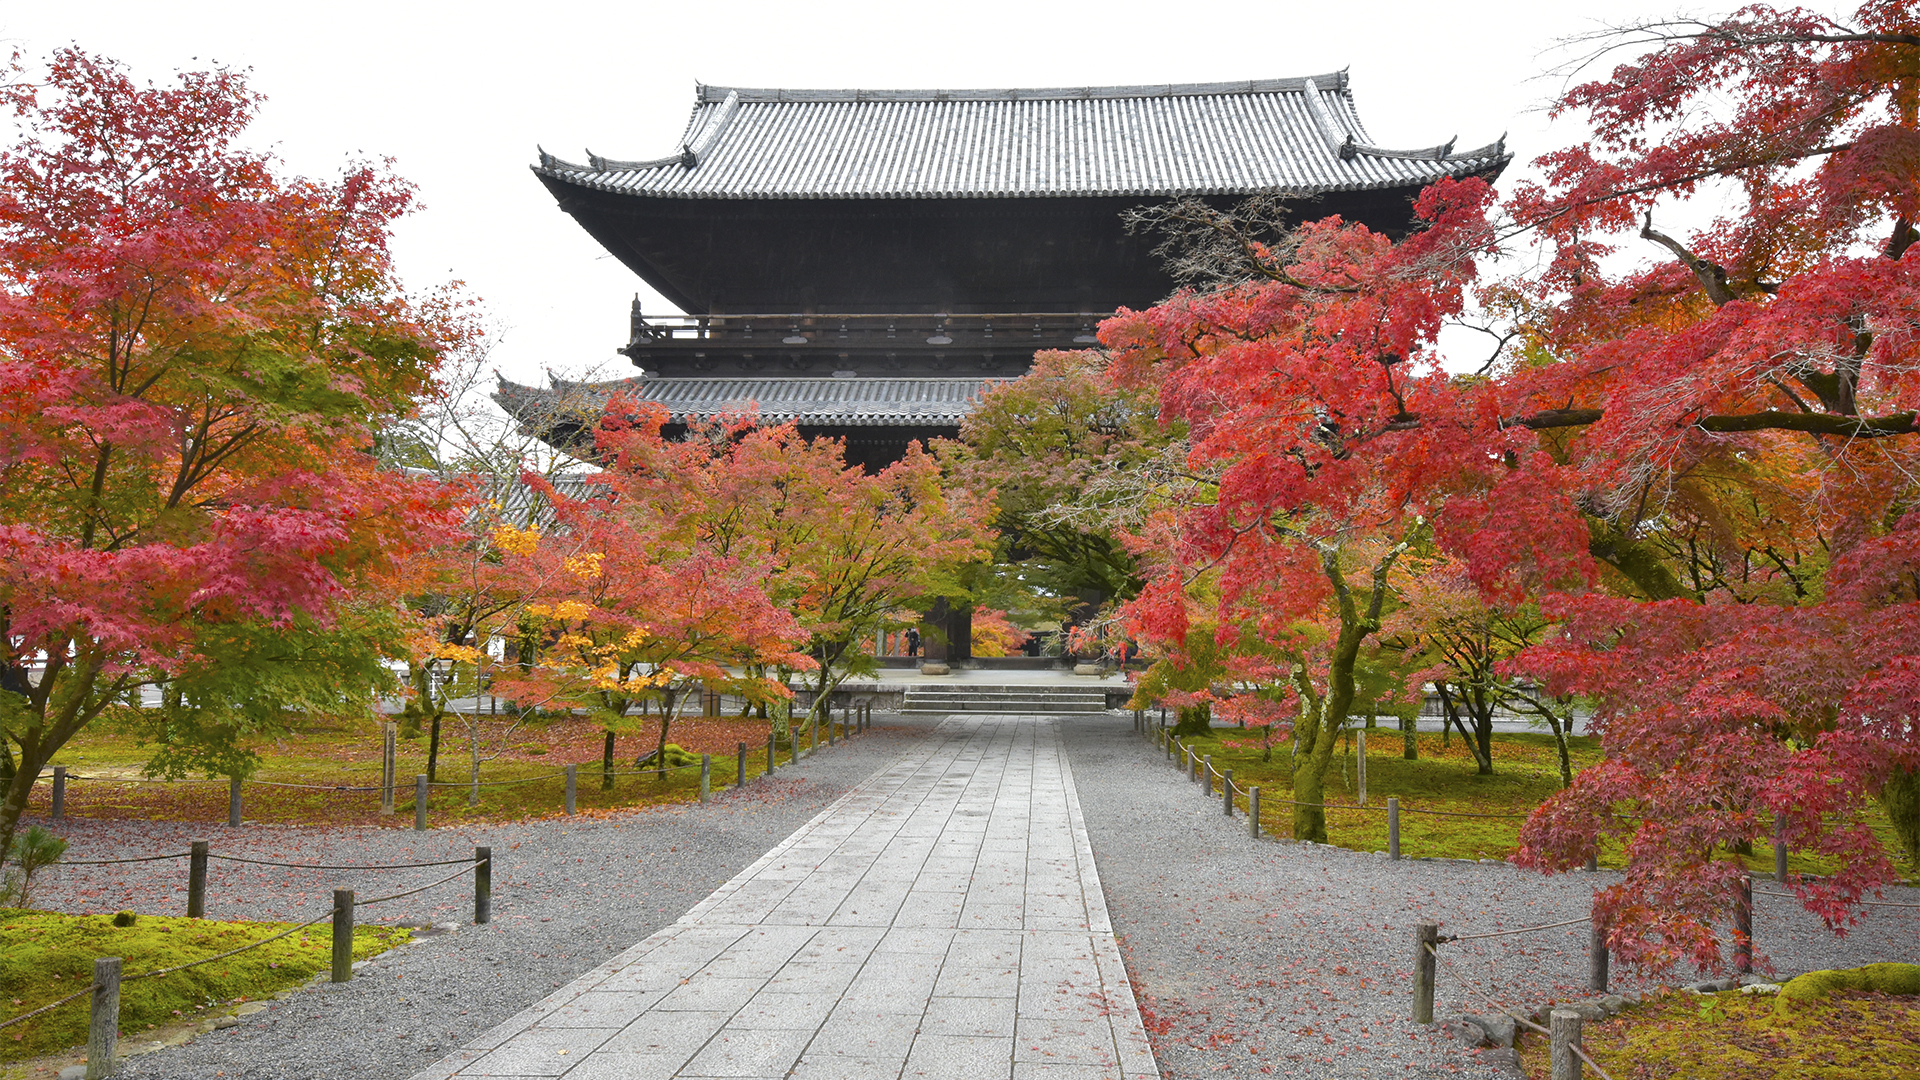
(460, 94)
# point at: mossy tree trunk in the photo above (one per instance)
(1324, 716)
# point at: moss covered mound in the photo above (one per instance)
(1847, 1034)
(676, 758)
(45, 956)
(1817, 986)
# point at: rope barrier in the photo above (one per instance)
(1863, 903)
(490, 783)
(230, 952)
(1503, 1010)
(48, 1007)
(472, 865)
(168, 971)
(332, 866)
(110, 862)
(1508, 933)
(314, 787)
(142, 780)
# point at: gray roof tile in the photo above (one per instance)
(860, 402)
(1298, 136)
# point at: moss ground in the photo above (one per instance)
(337, 756)
(1443, 778)
(1849, 1036)
(45, 956)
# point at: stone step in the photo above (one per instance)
(1005, 699)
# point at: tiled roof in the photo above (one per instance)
(1288, 136)
(858, 402)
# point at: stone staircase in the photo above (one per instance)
(966, 698)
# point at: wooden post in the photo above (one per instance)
(197, 880)
(1253, 814)
(1206, 774)
(482, 886)
(420, 802)
(1597, 959)
(1226, 792)
(103, 1025)
(740, 766)
(573, 787)
(813, 733)
(342, 935)
(1565, 1035)
(771, 737)
(1779, 854)
(1743, 925)
(386, 772)
(843, 712)
(59, 792)
(1361, 738)
(1393, 827)
(233, 801)
(1426, 937)
(706, 777)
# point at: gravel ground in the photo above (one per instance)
(1250, 958)
(567, 894)
(1270, 958)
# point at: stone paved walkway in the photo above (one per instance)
(943, 919)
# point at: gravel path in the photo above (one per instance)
(1268, 958)
(567, 895)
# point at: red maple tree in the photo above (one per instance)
(194, 349)
(1736, 423)
(1324, 436)
(1700, 467)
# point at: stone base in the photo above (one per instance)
(935, 667)
(1089, 669)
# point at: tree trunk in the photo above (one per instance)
(666, 718)
(1324, 726)
(1901, 798)
(1410, 736)
(1481, 707)
(473, 748)
(19, 789)
(606, 763)
(1560, 743)
(1309, 793)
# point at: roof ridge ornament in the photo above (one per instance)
(692, 152)
(1338, 141)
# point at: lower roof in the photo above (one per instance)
(830, 402)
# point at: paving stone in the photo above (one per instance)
(748, 1052)
(960, 1057)
(968, 1016)
(540, 1052)
(602, 1008)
